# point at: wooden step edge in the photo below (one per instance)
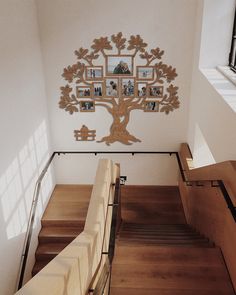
(62, 222)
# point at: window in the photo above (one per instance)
(232, 55)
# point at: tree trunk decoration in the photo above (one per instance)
(123, 87)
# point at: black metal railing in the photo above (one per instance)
(26, 246)
(214, 183)
(30, 224)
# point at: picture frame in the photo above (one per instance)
(112, 87)
(87, 106)
(128, 87)
(83, 91)
(93, 73)
(141, 89)
(154, 91)
(98, 89)
(119, 65)
(145, 73)
(151, 106)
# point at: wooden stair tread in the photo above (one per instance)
(60, 231)
(168, 255)
(152, 204)
(68, 202)
(79, 222)
(185, 276)
(65, 211)
(71, 192)
(59, 234)
(150, 193)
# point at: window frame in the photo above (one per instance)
(232, 54)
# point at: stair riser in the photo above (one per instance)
(45, 256)
(56, 239)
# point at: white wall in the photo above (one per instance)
(209, 113)
(68, 25)
(23, 132)
(149, 169)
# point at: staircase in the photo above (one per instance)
(164, 234)
(158, 253)
(63, 221)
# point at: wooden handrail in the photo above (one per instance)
(210, 208)
(225, 171)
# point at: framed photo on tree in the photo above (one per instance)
(119, 65)
(94, 73)
(87, 106)
(127, 87)
(83, 91)
(145, 73)
(97, 90)
(154, 91)
(151, 106)
(141, 89)
(112, 87)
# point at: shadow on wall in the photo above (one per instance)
(202, 155)
(17, 185)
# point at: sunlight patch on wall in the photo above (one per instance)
(202, 155)
(10, 190)
(46, 186)
(41, 143)
(28, 162)
(17, 183)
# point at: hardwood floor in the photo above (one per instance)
(158, 253)
(63, 220)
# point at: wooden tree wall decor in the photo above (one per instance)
(84, 134)
(122, 86)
